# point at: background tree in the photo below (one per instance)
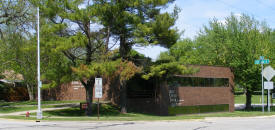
(16, 13)
(235, 44)
(17, 50)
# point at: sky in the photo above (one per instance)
(196, 13)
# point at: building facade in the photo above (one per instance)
(211, 89)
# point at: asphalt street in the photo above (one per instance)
(253, 123)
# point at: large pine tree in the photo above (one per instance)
(137, 22)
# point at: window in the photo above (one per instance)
(198, 82)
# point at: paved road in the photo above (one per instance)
(255, 123)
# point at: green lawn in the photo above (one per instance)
(142, 117)
(256, 99)
(109, 112)
(10, 107)
(35, 103)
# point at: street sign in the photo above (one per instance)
(268, 72)
(98, 87)
(264, 61)
(268, 85)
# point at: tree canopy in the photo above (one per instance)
(235, 44)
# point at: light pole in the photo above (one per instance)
(39, 112)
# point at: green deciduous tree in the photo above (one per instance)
(17, 51)
(236, 44)
(16, 13)
(18, 55)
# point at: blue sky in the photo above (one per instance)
(196, 13)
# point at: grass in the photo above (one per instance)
(50, 116)
(107, 112)
(11, 109)
(35, 103)
(111, 113)
(15, 109)
(136, 117)
(198, 109)
(256, 99)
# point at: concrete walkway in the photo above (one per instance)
(242, 106)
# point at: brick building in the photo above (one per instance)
(211, 86)
(70, 91)
(208, 90)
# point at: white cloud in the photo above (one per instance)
(223, 21)
(217, 14)
(150, 51)
(238, 15)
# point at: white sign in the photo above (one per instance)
(98, 87)
(268, 85)
(268, 72)
(39, 84)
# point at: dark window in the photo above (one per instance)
(198, 82)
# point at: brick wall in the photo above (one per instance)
(70, 91)
(190, 96)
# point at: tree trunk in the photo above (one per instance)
(124, 50)
(30, 92)
(248, 99)
(123, 98)
(89, 96)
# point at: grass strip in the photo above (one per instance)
(145, 117)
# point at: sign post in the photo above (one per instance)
(268, 86)
(268, 73)
(98, 92)
(262, 61)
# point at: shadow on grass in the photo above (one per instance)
(8, 109)
(104, 110)
(6, 104)
(11, 109)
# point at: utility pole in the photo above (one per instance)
(39, 83)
